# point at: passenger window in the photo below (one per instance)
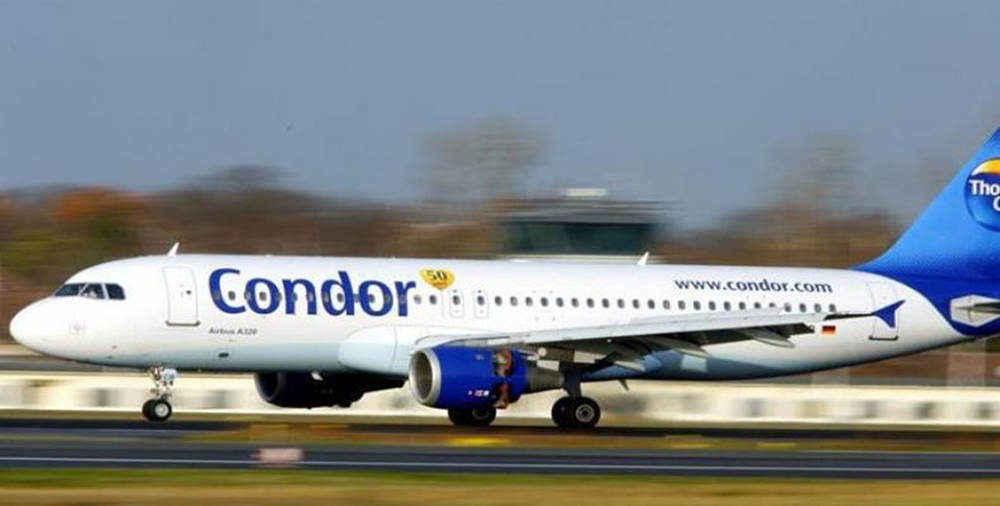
(93, 291)
(711, 305)
(590, 302)
(456, 300)
(480, 300)
(115, 292)
(498, 301)
(559, 302)
(417, 298)
(727, 306)
(697, 305)
(513, 301)
(818, 308)
(788, 307)
(574, 302)
(650, 304)
(802, 307)
(621, 303)
(545, 302)
(262, 296)
(833, 308)
(605, 303)
(432, 299)
(681, 305)
(635, 303)
(666, 304)
(756, 305)
(528, 301)
(232, 295)
(743, 305)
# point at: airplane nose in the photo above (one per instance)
(28, 327)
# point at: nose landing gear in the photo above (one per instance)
(158, 409)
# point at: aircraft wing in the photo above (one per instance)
(623, 343)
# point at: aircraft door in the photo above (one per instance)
(884, 295)
(182, 296)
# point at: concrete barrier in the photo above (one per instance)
(652, 401)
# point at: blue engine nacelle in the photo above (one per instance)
(458, 377)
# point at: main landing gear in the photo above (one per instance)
(158, 409)
(576, 413)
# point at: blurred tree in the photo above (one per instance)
(493, 153)
(244, 209)
(6, 218)
(107, 220)
(41, 255)
(819, 173)
(243, 178)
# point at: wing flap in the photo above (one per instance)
(703, 328)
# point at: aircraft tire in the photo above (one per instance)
(584, 412)
(560, 413)
(157, 410)
(576, 413)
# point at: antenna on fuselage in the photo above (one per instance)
(173, 249)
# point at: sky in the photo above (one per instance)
(694, 103)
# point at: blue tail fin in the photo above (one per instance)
(951, 254)
(958, 235)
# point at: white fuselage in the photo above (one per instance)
(172, 315)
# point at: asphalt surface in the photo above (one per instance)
(365, 425)
(118, 444)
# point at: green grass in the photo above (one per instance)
(273, 487)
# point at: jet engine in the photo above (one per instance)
(311, 390)
(459, 377)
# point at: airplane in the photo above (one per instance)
(473, 336)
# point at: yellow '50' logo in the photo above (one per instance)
(438, 278)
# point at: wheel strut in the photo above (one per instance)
(158, 408)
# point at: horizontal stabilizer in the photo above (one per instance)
(975, 310)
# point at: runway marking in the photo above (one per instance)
(512, 465)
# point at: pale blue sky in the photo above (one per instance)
(679, 101)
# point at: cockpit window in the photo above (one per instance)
(69, 290)
(115, 292)
(93, 291)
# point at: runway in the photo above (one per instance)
(95, 444)
(609, 461)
